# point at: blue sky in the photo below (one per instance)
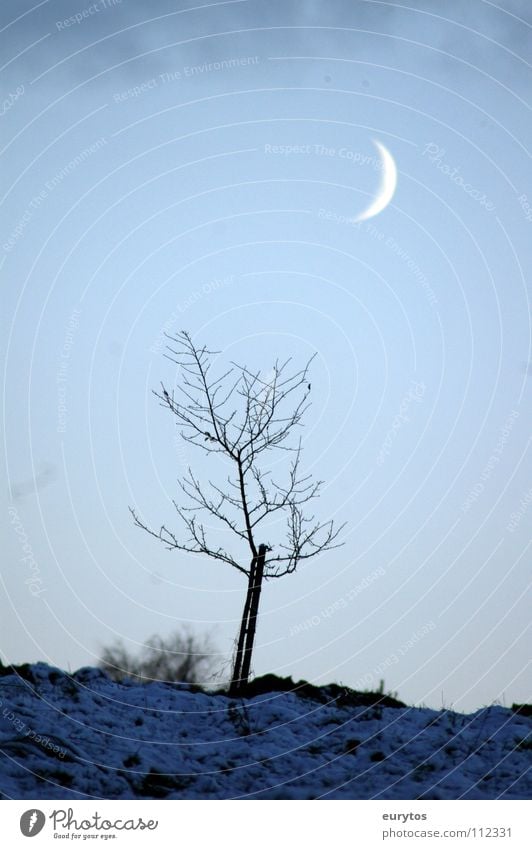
(175, 168)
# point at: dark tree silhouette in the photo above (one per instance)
(244, 416)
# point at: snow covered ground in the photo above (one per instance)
(83, 736)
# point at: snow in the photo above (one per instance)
(84, 736)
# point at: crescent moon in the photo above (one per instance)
(387, 186)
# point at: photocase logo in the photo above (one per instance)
(32, 822)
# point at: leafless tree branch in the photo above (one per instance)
(243, 414)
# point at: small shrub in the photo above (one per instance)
(239, 718)
(182, 658)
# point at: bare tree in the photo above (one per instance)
(181, 657)
(244, 416)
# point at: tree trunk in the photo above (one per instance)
(237, 667)
(253, 613)
(248, 625)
